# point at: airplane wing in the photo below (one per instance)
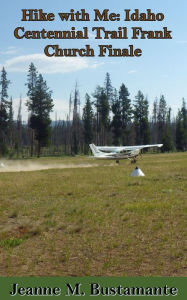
(119, 149)
(142, 146)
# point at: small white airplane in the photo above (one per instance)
(119, 152)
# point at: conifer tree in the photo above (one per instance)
(108, 89)
(19, 129)
(102, 114)
(181, 128)
(162, 114)
(31, 79)
(96, 95)
(167, 139)
(184, 121)
(31, 85)
(40, 105)
(76, 124)
(117, 119)
(88, 122)
(126, 111)
(11, 124)
(154, 122)
(141, 107)
(179, 132)
(70, 107)
(103, 109)
(164, 125)
(4, 105)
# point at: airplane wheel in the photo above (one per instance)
(133, 161)
(117, 161)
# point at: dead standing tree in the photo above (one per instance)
(76, 124)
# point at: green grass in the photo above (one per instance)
(96, 220)
(10, 243)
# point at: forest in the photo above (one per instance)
(109, 117)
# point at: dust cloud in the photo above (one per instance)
(11, 166)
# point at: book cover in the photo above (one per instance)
(92, 93)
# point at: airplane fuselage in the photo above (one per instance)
(119, 152)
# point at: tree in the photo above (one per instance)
(103, 109)
(96, 95)
(140, 111)
(181, 128)
(117, 119)
(162, 115)
(179, 132)
(167, 139)
(164, 125)
(108, 89)
(126, 111)
(102, 114)
(4, 105)
(88, 122)
(76, 124)
(31, 80)
(4, 82)
(184, 122)
(10, 124)
(19, 128)
(40, 105)
(154, 122)
(31, 85)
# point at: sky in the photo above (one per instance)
(161, 69)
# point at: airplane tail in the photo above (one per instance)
(94, 150)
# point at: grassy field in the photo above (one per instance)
(95, 219)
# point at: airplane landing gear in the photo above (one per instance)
(117, 161)
(133, 161)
